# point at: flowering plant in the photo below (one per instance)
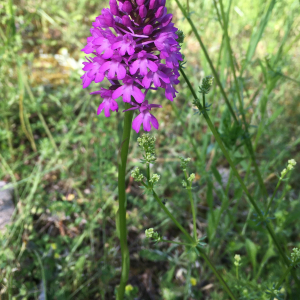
(134, 46)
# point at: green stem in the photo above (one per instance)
(220, 278)
(190, 239)
(283, 277)
(248, 143)
(148, 172)
(172, 217)
(216, 76)
(122, 201)
(192, 206)
(271, 201)
(9, 139)
(237, 175)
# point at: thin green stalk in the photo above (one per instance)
(122, 201)
(9, 140)
(216, 76)
(283, 277)
(249, 146)
(192, 206)
(217, 274)
(235, 172)
(271, 201)
(172, 217)
(190, 239)
(43, 274)
(148, 172)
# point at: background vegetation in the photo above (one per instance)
(62, 158)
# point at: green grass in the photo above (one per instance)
(62, 158)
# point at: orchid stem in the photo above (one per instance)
(122, 201)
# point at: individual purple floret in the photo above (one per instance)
(144, 117)
(108, 102)
(135, 48)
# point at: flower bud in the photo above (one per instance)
(148, 29)
(140, 2)
(127, 7)
(126, 21)
(143, 11)
(114, 7)
(152, 4)
(159, 12)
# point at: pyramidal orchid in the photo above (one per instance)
(134, 46)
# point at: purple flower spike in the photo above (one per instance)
(108, 102)
(134, 47)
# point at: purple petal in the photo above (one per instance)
(100, 108)
(134, 66)
(104, 67)
(137, 122)
(121, 72)
(118, 92)
(152, 66)
(108, 53)
(138, 95)
(156, 80)
(143, 66)
(146, 121)
(99, 77)
(147, 80)
(127, 93)
(154, 122)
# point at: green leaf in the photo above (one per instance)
(153, 255)
(252, 252)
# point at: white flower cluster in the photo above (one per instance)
(150, 233)
(135, 174)
(184, 162)
(290, 167)
(154, 178)
(237, 259)
(295, 256)
(191, 178)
